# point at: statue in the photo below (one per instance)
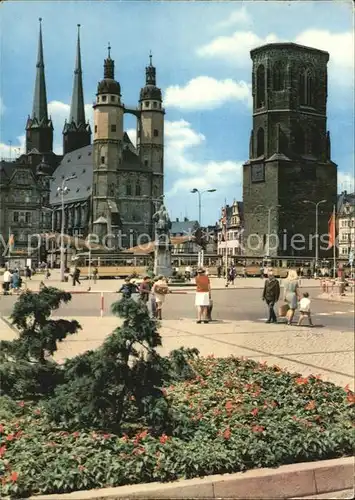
(162, 223)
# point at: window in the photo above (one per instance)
(128, 189)
(260, 86)
(113, 128)
(113, 98)
(104, 98)
(306, 87)
(138, 189)
(16, 216)
(146, 104)
(260, 142)
(156, 133)
(95, 128)
(102, 160)
(155, 104)
(278, 77)
(145, 163)
(28, 217)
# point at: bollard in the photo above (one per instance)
(102, 305)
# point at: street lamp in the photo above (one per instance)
(317, 235)
(63, 189)
(52, 210)
(268, 224)
(200, 193)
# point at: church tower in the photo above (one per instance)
(108, 136)
(76, 132)
(150, 131)
(289, 168)
(39, 128)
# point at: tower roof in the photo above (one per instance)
(109, 85)
(39, 110)
(77, 109)
(150, 91)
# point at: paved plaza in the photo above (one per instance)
(238, 329)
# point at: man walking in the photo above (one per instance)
(271, 295)
(7, 278)
(76, 276)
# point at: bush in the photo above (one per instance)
(235, 415)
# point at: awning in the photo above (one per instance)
(112, 206)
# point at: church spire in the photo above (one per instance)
(39, 110)
(150, 72)
(76, 133)
(77, 110)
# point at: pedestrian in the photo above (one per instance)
(7, 278)
(153, 300)
(16, 281)
(231, 275)
(244, 272)
(47, 275)
(144, 289)
(219, 271)
(305, 309)
(95, 274)
(28, 273)
(271, 295)
(203, 296)
(160, 290)
(128, 288)
(76, 276)
(291, 294)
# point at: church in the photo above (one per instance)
(108, 185)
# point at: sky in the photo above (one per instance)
(202, 54)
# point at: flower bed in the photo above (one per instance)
(236, 415)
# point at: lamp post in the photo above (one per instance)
(268, 224)
(52, 210)
(200, 193)
(317, 235)
(63, 189)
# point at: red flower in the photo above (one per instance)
(125, 438)
(2, 451)
(350, 398)
(255, 412)
(21, 404)
(76, 434)
(81, 468)
(295, 418)
(301, 381)
(256, 393)
(229, 405)
(310, 406)
(10, 437)
(37, 411)
(227, 433)
(14, 476)
(163, 438)
(106, 436)
(258, 428)
(347, 388)
(2, 429)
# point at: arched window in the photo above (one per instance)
(278, 77)
(260, 142)
(128, 189)
(260, 86)
(138, 188)
(300, 140)
(306, 89)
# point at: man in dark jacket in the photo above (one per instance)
(271, 295)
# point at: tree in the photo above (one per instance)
(26, 368)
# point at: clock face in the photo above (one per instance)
(258, 172)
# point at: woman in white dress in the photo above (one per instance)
(203, 296)
(160, 289)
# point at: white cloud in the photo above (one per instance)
(59, 111)
(234, 48)
(204, 92)
(240, 16)
(15, 150)
(346, 182)
(180, 137)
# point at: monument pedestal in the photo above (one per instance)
(162, 258)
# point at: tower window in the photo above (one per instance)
(260, 142)
(128, 189)
(113, 98)
(278, 77)
(155, 104)
(145, 163)
(138, 189)
(102, 160)
(16, 216)
(28, 217)
(104, 98)
(306, 90)
(146, 104)
(113, 128)
(260, 86)
(95, 128)
(156, 133)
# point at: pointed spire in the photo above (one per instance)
(39, 110)
(77, 109)
(109, 65)
(150, 73)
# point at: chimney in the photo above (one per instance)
(177, 219)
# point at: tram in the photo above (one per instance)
(121, 265)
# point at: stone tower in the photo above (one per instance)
(39, 128)
(76, 132)
(108, 137)
(150, 133)
(289, 153)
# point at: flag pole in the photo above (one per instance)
(334, 245)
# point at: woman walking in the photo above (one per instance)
(203, 296)
(160, 290)
(291, 294)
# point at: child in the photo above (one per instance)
(128, 288)
(305, 309)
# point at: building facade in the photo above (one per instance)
(230, 231)
(346, 226)
(289, 168)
